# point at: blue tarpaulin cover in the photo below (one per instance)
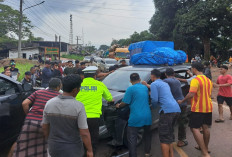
(148, 46)
(160, 56)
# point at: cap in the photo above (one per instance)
(47, 62)
(12, 63)
(90, 69)
(28, 73)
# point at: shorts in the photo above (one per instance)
(198, 119)
(166, 127)
(221, 99)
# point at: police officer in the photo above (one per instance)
(91, 93)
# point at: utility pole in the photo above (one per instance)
(71, 31)
(20, 24)
(60, 46)
(78, 43)
(20, 28)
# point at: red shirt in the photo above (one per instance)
(225, 91)
(61, 70)
(39, 100)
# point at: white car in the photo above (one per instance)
(87, 58)
(107, 63)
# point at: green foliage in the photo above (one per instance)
(78, 57)
(22, 69)
(189, 22)
(135, 37)
(9, 20)
(104, 47)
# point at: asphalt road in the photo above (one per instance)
(220, 141)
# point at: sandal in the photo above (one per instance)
(198, 148)
(185, 143)
(219, 121)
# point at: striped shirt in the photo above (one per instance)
(201, 102)
(39, 100)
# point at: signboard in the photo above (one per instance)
(52, 50)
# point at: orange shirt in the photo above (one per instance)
(202, 87)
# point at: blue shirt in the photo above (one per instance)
(176, 90)
(161, 96)
(138, 99)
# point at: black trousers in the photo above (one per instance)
(93, 124)
(132, 134)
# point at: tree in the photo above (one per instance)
(9, 22)
(104, 47)
(190, 22)
(135, 37)
(206, 20)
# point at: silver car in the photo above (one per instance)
(107, 63)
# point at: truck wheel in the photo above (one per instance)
(139, 137)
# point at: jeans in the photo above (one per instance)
(132, 133)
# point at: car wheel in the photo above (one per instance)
(139, 136)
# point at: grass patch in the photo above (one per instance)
(22, 69)
(75, 57)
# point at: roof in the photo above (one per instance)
(122, 50)
(162, 68)
(25, 48)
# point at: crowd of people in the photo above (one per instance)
(66, 113)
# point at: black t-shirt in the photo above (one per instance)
(56, 73)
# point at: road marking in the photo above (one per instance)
(179, 150)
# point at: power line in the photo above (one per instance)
(56, 6)
(38, 18)
(109, 4)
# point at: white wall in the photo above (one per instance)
(14, 53)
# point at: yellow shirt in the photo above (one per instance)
(230, 60)
(91, 93)
(202, 87)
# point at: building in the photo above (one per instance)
(26, 52)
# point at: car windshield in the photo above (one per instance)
(120, 79)
(122, 54)
(98, 60)
(111, 61)
(87, 57)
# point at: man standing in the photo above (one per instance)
(201, 107)
(82, 65)
(137, 97)
(56, 71)
(65, 124)
(60, 68)
(69, 69)
(7, 73)
(14, 71)
(224, 83)
(182, 120)
(31, 141)
(123, 63)
(90, 95)
(46, 74)
(27, 79)
(161, 96)
(33, 76)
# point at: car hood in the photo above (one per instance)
(117, 96)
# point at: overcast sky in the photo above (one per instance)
(100, 20)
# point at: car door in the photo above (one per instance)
(11, 113)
